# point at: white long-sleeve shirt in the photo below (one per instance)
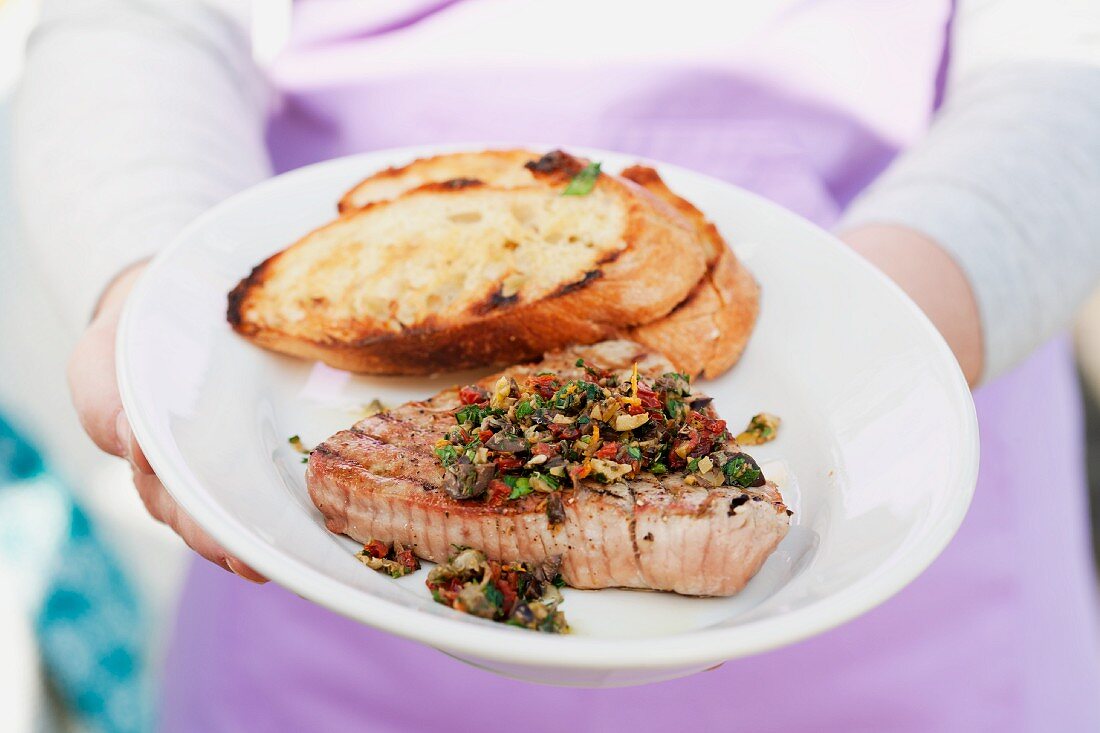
(136, 115)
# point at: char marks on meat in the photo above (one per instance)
(382, 480)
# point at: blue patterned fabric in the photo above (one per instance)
(87, 619)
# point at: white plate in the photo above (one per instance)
(877, 456)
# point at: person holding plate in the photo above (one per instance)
(956, 146)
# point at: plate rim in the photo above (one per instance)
(486, 640)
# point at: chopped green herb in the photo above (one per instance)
(523, 409)
(693, 464)
(520, 491)
(658, 468)
(520, 486)
(447, 454)
(741, 472)
(494, 595)
(634, 452)
(583, 183)
(470, 415)
(546, 478)
(562, 399)
(590, 390)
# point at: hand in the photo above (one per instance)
(95, 395)
(933, 280)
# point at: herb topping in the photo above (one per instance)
(583, 183)
(519, 594)
(394, 560)
(761, 429)
(549, 432)
(297, 444)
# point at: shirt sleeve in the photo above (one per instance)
(187, 105)
(1008, 178)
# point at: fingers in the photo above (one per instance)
(94, 389)
(162, 507)
(96, 398)
(95, 395)
(136, 454)
(91, 371)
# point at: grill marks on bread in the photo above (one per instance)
(472, 272)
(705, 333)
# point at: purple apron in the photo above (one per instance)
(1000, 634)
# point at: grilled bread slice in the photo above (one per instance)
(705, 334)
(459, 274)
(380, 480)
(710, 329)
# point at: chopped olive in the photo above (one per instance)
(506, 442)
(555, 510)
(464, 480)
(699, 403)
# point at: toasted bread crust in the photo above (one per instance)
(709, 330)
(656, 269)
(651, 181)
(706, 334)
(487, 166)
